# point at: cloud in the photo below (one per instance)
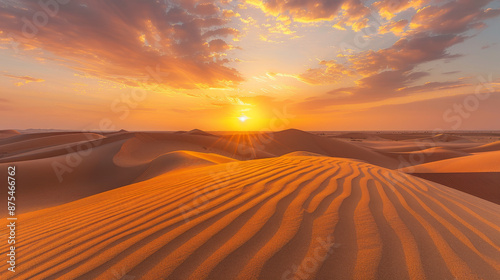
(344, 12)
(395, 27)
(453, 17)
(119, 40)
(433, 86)
(406, 53)
(384, 85)
(380, 85)
(391, 65)
(24, 79)
(329, 72)
(389, 8)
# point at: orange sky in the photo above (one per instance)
(250, 65)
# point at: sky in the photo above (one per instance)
(250, 65)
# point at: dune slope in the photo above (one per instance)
(485, 185)
(307, 217)
(481, 162)
(426, 155)
(476, 174)
(8, 133)
(490, 147)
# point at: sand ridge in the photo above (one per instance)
(267, 219)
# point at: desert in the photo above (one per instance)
(167, 205)
(249, 139)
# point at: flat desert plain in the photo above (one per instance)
(281, 205)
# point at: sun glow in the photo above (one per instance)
(243, 118)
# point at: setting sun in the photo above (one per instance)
(243, 118)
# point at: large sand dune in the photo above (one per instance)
(290, 217)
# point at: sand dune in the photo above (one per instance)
(307, 217)
(66, 172)
(146, 146)
(360, 135)
(179, 160)
(443, 137)
(8, 133)
(29, 136)
(427, 155)
(490, 147)
(481, 162)
(477, 174)
(122, 158)
(414, 146)
(481, 184)
(39, 142)
(197, 132)
(291, 140)
(61, 149)
(64, 176)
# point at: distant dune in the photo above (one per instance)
(8, 133)
(415, 146)
(287, 141)
(359, 135)
(443, 137)
(295, 216)
(481, 162)
(199, 132)
(428, 155)
(33, 143)
(490, 147)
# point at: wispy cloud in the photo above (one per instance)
(24, 79)
(117, 40)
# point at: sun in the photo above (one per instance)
(243, 118)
